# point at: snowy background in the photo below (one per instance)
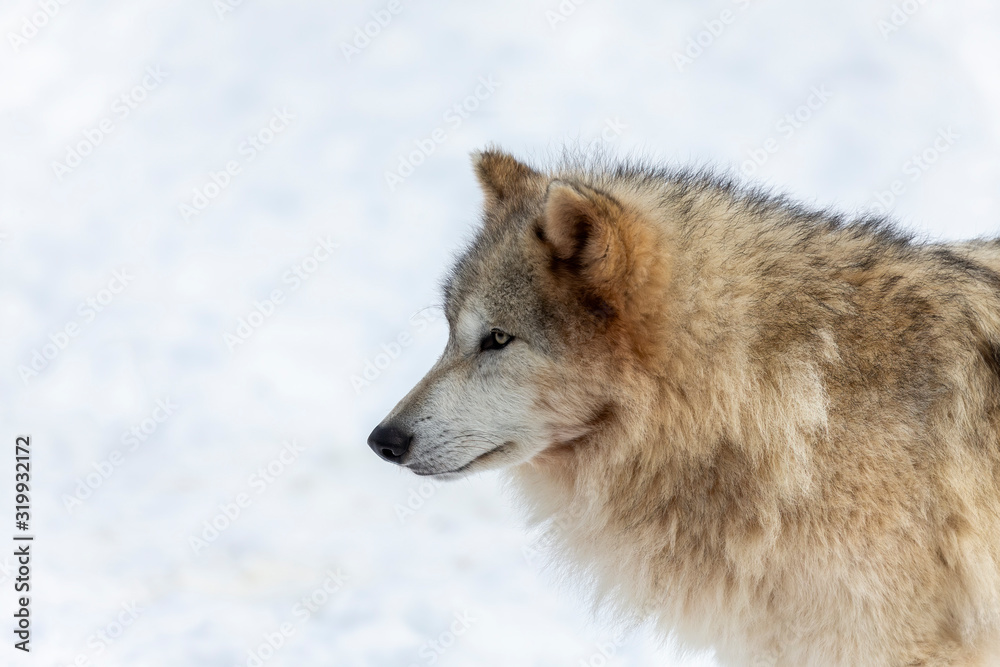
(168, 168)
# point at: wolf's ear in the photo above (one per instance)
(501, 176)
(588, 235)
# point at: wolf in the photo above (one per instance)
(773, 431)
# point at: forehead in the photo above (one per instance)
(493, 285)
(483, 271)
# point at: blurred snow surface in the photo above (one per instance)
(157, 100)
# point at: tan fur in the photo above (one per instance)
(774, 432)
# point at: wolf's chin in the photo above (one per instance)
(475, 465)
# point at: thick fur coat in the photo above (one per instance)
(774, 431)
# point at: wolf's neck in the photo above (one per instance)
(645, 522)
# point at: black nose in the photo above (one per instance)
(390, 442)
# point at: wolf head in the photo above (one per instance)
(546, 324)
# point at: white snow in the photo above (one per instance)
(608, 73)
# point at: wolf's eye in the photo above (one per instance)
(495, 340)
